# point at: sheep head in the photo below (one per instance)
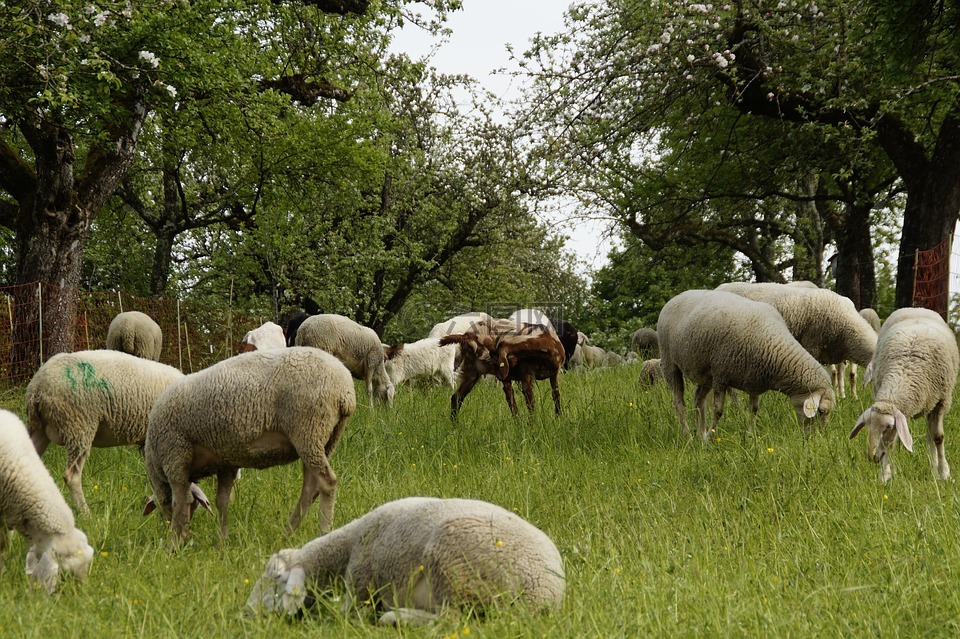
(816, 405)
(69, 553)
(885, 425)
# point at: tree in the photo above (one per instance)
(78, 84)
(792, 72)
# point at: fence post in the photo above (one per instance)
(179, 337)
(120, 300)
(916, 262)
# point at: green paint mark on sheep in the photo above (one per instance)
(84, 375)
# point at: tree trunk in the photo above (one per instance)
(855, 270)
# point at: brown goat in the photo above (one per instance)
(510, 354)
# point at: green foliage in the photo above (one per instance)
(765, 534)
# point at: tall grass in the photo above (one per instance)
(768, 533)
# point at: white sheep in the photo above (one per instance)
(826, 324)
(262, 409)
(416, 556)
(839, 371)
(587, 356)
(135, 333)
(268, 335)
(459, 324)
(92, 399)
(721, 340)
(423, 359)
(914, 372)
(358, 347)
(31, 503)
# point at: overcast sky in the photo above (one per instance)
(478, 46)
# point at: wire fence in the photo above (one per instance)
(932, 278)
(194, 335)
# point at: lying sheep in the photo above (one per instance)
(31, 503)
(416, 556)
(423, 359)
(721, 340)
(914, 372)
(358, 347)
(135, 333)
(260, 410)
(644, 343)
(92, 399)
(268, 335)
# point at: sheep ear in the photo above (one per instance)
(867, 373)
(44, 570)
(150, 506)
(860, 422)
(810, 406)
(903, 431)
(200, 499)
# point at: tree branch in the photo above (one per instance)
(341, 7)
(306, 91)
(16, 176)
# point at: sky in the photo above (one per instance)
(477, 47)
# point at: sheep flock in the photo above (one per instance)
(289, 393)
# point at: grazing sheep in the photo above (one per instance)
(415, 557)
(423, 359)
(358, 347)
(92, 399)
(644, 343)
(31, 503)
(495, 348)
(267, 336)
(293, 326)
(263, 409)
(721, 340)
(838, 371)
(459, 324)
(650, 373)
(826, 324)
(613, 359)
(914, 373)
(135, 333)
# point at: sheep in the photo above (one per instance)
(358, 347)
(569, 336)
(644, 343)
(263, 409)
(459, 324)
(838, 371)
(721, 340)
(135, 333)
(613, 359)
(531, 316)
(417, 556)
(92, 399)
(496, 348)
(914, 372)
(826, 324)
(650, 373)
(423, 359)
(31, 503)
(293, 326)
(267, 336)
(588, 356)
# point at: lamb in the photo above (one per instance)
(135, 333)
(358, 347)
(415, 557)
(262, 409)
(721, 340)
(644, 343)
(826, 324)
(92, 399)
(588, 356)
(495, 348)
(914, 373)
(423, 359)
(265, 337)
(31, 503)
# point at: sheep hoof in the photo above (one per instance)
(411, 616)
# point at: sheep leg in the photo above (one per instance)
(369, 382)
(511, 400)
(719, 398)
(318, 480)
(467, 381)
(754, 409)
(674, 379)
(699, 401)
(938, 458)
(225, 480)
(841, 377)
(526, 383)
(853, 379)
(555, 387)
(180, 512)
(76, 458)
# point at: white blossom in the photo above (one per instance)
(101, 18)
(172, 90)
(698, 8)
(149, 56)
(691, 58)
(722, 62)
(61, 19)
(653, 48)
(770, 96)
(665, 38)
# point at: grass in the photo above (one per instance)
(769, 533)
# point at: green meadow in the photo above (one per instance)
(763, 533)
